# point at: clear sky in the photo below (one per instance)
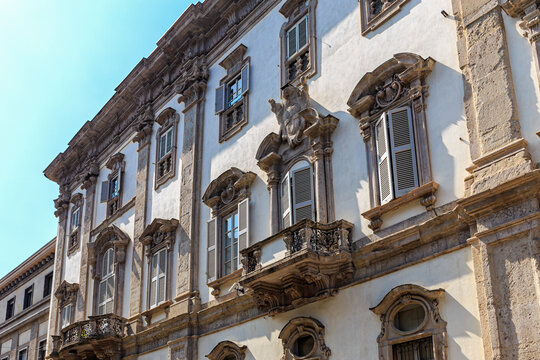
(60, 61)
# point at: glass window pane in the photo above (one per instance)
(110, 288)
(102, 287)
(162, 254)
(109, 307)
(169, 140)
(161, 294)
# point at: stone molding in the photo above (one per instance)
(304, 327)
(225, 349)
(167, 119)
(66, 294)
(74, 238)
(230, 187)
(374, 13)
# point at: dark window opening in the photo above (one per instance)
(10, 310)
(28, 297)
(47, 287)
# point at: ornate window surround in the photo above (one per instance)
(234, 63)
(432, 325)
(301, 327)
(304, 135)
(227, 349)
(116, 165)
(223, 196)
(167, 119)
(74, 238)
(159, 235)
(294, 11)
(110, 237)
(67, 296)
(370, 20)
(398, 82)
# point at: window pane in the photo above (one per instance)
(102, 287)
(153, 286)
(169, 140)
(161, 286)
(291, 41)
(302, 33)
(101, 309)
(154, 266)
(109, 307)
(162, 254)
(110, 288)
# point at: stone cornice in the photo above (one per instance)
(204, 30)
(43, 258)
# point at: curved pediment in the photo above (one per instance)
(227, 187)
(384, 84)
(404, 290)
(227, 349)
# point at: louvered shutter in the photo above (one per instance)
(302, 33)
(245, 79)
(386, 189)
(302, 194)
(243, 224)
(211, 264)
(119, 182)
(104, 191)
(220, 99)
(403, 154)
(286, 202)
(291, 42)
(161, 276)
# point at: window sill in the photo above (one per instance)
(163, 307)
(425, 192)
(217, 284)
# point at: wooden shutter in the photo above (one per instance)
(161, 276)
(104, 191)
(302, 194)
(403, 154)
(120, 182)
(220, 99)
(245, 79)
(291, 42)
(243, 224)
(386, 189)
(303, 33)
(286, 202)
(211, 263)
(153, 280)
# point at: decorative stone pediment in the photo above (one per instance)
(307, 331)
(232, 185)
(227, 350)
(160, 232)
(115, 162)
(290, 6)
(294, 114)
(384, 86)
(108, 237)
(77, 199)
(66, 293)
(168, 116)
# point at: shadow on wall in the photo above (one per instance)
(404, 11)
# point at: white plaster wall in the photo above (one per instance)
(72, 262)
(351, 329)
(344, 57)
(155, 355)
(525, 75)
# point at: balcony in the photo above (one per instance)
(304, 263)
(97, 336)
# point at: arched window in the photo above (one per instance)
(411, 325)
(106, 257)
(106, 285)
(303, 338)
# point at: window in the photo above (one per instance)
(47, 286)
(42, 347)
(10, 308)
(28, 297)
(111, 189)
(297, 195)
(106, 285)
(166, 146)
(158, 277)
(228, 229)
(227, 350)
(232, 94)
(65, 318)
(75, 222)
(374, 13)
(303, 338)
(390, 104)
(75, 219)
(411, 325)
(298, 45)
(23, 354)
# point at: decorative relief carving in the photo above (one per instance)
(160, 233)
(62, 202)
(191, 84)
(303, 338)
(227, 350)
(66, 294)
(233, 184)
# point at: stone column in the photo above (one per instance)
(62, 205)
(143, 137)
(89, 185)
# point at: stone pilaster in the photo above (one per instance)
(142, 137)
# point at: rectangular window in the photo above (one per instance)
(297, 37)
(65, 318)
(28, 297)
(234, 91)
(158, 277)
(113, 188)
(41, 350)
(229, 243)
(75, 219)
(23, 354)
(297, 195)
(165, 143)
(10, 308)
(47, 286)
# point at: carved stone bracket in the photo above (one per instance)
(227, 350)
(231, 186)
(144, 127)
(90, 176)
(191, 84)
(62, 202)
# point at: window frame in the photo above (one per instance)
(42, 341)
(116, 165)
(28, 300)
(160, 275)
(222, 236)
(19, 351)
(370, 21)
(77, 202)
(66, 312)
(169, 122)
(104, 279)
(289, 177)
(10, 314)
(238, 68)
(48, 284)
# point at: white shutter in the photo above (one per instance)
(286, 201)
(161, 276)
(302, 33)
(291, 42)
(211, 265)
(245, 79)
(153, 279)
(302, 186)
(169, 140)
(386, 189)
(220, 99)
(243, 224)
(104, 191)
(403, 154)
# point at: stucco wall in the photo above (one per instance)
(352, 329)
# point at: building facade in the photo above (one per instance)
(25, 295)
(310, 179)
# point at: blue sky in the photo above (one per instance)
(60, 61)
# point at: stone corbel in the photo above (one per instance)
(191, 85)
(62, 202)
(144, 128)
(91, 175)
